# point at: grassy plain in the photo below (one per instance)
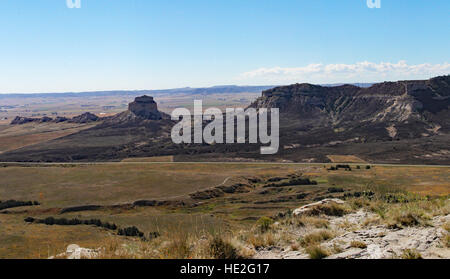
(57, 186)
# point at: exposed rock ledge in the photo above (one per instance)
(380, 241)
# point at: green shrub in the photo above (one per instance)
(264, 224)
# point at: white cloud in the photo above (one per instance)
(358, 72)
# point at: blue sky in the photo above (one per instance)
(146, 44)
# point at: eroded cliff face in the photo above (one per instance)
(145, 107)
(423, 104)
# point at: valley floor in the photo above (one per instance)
(245, 205)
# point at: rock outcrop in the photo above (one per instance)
(85, 118)
(414, 108)
(145, 107)
(75, 252)
(81, 119)
(374, 240)
(309, 207)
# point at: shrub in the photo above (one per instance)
(303, 221)
(223, 250)
(447, 241)
(358, 244)
(29, 219)
(330, 209)
(405, 219)
(260, 241)
(316, 238)
(335, 190)
(153, 235)
(130, 231)
(316, 252)
(264, 224)
(14, 203)
(179, 247)
(411, 254)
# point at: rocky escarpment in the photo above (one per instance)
(145, 107)
(85, 118)
(403, 109)
(81, 119)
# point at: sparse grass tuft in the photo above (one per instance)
(447, 240)
(358, 244)
(316, 252)
(411, 254)
(259, 241)
(316, 238)
(446, 227)
(331, 209)
(304, 221)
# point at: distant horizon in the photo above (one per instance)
(208, 87)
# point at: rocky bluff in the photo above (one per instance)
(145, 107)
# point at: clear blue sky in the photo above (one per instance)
(146, 44)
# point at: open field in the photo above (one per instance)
(58, 186)
(39, 106)
(345, 159)
(14, 137)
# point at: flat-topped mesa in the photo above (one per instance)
(145, 107)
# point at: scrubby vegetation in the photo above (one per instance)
(358, 244)
(128, 231)
(316, 238)
(331, 209)
(221, 249)
(14, 203)
(316, 252)
(297, 181)
(411, 254)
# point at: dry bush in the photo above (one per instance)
(316, 238)
(178, 247)
(304, 221)
(259, 241)
(446, 226)
(221, 249)
(330, 209)
(411, 254)
(358, 244)
(316, 252)
(447, 240)
(371, 222)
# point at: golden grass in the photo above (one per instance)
(315, 238)
(316, 252)
(345, 159)
(164, 159)
(114, 183)
(16, 137)
(358, 244)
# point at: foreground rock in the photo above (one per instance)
(309, 207)
(385, 243)
(75, 252)
(360, 236)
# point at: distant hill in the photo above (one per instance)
(135, 93)
(220, 89)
